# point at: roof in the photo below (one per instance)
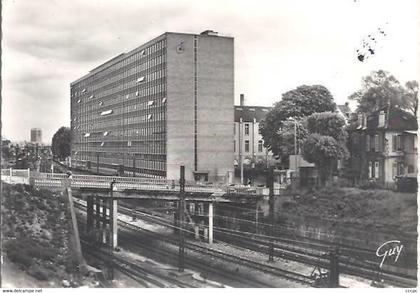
(249, 113)
(344, 108)
(401, 120)
(122, 56)
(396, 119)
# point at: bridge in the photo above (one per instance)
(130, 187)
(102, 192)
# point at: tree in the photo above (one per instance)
(297, 104)
(381, 89)
(412, 90)
(61, 143)
(326, 142)
(329, 124)
(324, 151)
(285, 139)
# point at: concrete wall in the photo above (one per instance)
(253, 137)
(180, 105)
(215, 105)
(215, 98)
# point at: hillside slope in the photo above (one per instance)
(36, 235)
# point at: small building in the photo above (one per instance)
(248, 142)
(383, 145)
(344, 111)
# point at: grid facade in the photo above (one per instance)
(118, 113)
(127, 112)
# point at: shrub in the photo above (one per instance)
(19, 257)
(369, 185)
(39, 273)
(44, 253)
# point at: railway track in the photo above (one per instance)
(278, 272)
(314, 256)
(129, 269)
(196, 264)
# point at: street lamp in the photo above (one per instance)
(296, 150)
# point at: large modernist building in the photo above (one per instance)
(36, 135)
(164, 104)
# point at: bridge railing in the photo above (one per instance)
(95, 181)
(121, 183)
(15, 176)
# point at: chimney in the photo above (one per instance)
(242, 99)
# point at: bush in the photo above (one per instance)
(19, 257)
(44, 253)
(369, 185)
(39, 273)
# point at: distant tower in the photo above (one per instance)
(36, 135)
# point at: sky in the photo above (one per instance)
(279, 45)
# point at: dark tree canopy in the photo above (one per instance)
(297, 103)
(328, 123)
(285, 139)
(324, 151)
(381, 89)
(326, 142)
(61, 142)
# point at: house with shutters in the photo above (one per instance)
(383, 145)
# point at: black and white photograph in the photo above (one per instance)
(209, 144)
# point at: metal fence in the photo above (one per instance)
(95, 181)
(122, 183)
(15, 176)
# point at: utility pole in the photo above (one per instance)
(111, 229)
(270, 185)
(241, 163)
(334, 275)
(181, 209)
(134, 165)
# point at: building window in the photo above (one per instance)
(376, 142)
(370, 170)
(400, 168)
(260, 146)
(397, 143)
(368, 142)
(103, 113)
(376, 174)
(247, 146)
(410, 169)
(246, 129)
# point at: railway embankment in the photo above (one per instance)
(37, 239)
